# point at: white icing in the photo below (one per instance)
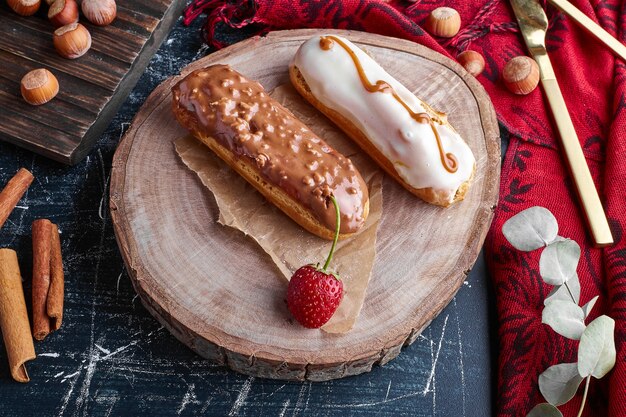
(411, 146)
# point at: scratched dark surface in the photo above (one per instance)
(111, 358)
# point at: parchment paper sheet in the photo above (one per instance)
(290, 247)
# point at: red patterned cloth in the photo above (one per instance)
(593, 83)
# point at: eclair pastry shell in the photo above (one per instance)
(251, 173)
(429, 195)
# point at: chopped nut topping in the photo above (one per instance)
(308, 181)
(261, 160)
(312, 165)
(244, 137)
(318, 178)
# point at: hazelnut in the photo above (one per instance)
(99, 12)
(63, 12)
(521, 75)
(472, 61)
(39, 86)
(72, 41)
(444, 22)
(24, 7)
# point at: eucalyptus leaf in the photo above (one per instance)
(559, 261)
(560, 292)
(531, 229)
(565, 318)
(544, 410)
(596, 351)
(589, 306)
(558, 384)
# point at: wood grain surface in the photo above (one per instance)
(92, 88)
(217, 292)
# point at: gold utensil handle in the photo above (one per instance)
(591, 27)
(600, 231)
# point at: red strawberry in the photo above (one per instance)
(314, 294)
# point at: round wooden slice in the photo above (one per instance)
(220, 294)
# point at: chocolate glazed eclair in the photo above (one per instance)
(273, 150)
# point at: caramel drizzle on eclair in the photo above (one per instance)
(243, 118)
(448, 160)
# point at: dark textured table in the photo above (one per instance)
(111, 358)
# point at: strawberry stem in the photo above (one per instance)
(337, 226)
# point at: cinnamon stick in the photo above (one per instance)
(57, 281)
(13, 192)
(13, 317)
(42, 243)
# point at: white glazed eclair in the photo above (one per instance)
(413, 143)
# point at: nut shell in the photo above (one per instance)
(472, 61)
(63, 12)
(99, 12)
(72, 41)
(521, 75)
(39, 86)
(24, 7)
(444, 22)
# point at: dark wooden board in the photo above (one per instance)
(92, 88)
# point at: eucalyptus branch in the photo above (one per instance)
(570, 292)
(582, 404)
(536, 228)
